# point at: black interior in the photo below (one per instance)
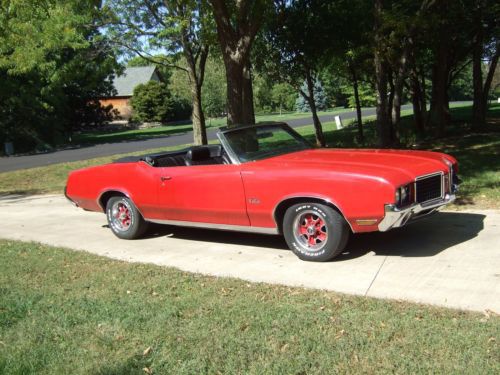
(196, 155)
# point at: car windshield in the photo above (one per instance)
(265, 141)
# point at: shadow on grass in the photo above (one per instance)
(424, 238)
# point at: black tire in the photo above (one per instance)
(124, 220)
(315, 232)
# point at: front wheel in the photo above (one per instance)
(315, 232)
(124, 220)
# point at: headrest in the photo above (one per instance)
(198, 153)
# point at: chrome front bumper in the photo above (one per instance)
(396, 217)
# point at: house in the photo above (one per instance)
(124, 88)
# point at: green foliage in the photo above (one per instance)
(367, 95)
(214, 88)
(461, 87)
(151, 102)
(283, 97)
(320, 98)
(262, 92)
(53, 67)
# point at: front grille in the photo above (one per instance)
(428, 188)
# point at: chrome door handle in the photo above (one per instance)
(165, 178)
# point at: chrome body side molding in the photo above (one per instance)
(227, 227)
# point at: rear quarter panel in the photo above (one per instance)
(138, 181)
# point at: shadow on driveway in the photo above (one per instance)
(424, 238)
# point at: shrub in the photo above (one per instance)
(151, 102)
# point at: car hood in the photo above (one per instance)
(392, 165)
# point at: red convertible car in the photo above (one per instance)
(268, 179)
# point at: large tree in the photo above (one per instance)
(57, 64)
(177, 27)
(237, 24)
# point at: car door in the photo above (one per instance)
(203, 193)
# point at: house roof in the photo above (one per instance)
(132, 77)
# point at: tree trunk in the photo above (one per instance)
(398, 91)
(480, 103)
(198, 117)
(196, 75)
(318, 128)
(234, 78)
(383, 126)
(417, 101)
(489, 77)
(383, 119)
(247, 102)
(478, 112)
(390, 101)
(416, 90)
(423, 86)
(440, 112)
(235, 40)
(354, 78)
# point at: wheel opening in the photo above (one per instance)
(279, 213)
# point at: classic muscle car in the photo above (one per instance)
(268, 179)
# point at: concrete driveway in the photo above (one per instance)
(451, 259)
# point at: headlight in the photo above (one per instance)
(404, 196)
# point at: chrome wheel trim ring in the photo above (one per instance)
(310, 230)
(120, 216)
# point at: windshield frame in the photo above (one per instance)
(221, 134)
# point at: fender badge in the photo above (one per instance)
(254, 200)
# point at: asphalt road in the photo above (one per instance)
(89, 152)
(450, 259)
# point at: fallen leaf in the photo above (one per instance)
(146, 351)
(340, 334)
(148, 370)
(128, 292)
(492, 339)
(284, 347)
(322, 308)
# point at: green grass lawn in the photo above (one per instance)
(64, 312)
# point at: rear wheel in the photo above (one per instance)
(124, 220)
(314, 231)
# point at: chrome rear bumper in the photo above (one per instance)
(397, 217)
